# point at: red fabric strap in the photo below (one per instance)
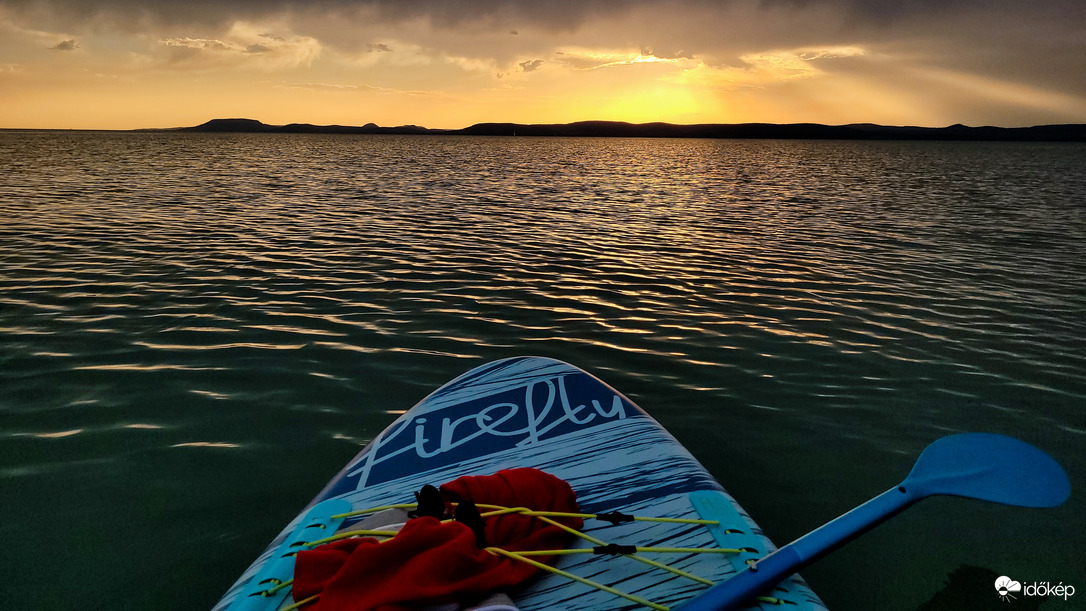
(431, 562)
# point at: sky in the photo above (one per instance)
(127, 64)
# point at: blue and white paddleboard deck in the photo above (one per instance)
(542, 413)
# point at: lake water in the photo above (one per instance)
(197, 331)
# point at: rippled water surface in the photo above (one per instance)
(197, 331)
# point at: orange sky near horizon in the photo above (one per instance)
(123, 64)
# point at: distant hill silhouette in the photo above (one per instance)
(617, 129)
(253, 126)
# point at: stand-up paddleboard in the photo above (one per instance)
(548, 415)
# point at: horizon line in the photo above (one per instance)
(1061, 132)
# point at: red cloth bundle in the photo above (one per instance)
(430, 562)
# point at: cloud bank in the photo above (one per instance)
(923, 61)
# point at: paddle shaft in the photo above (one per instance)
(982, 466)
(789, 559)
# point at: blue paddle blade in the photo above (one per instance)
(989, 467)
(973, 465)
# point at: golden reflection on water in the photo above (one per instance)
(57, 435)
(802, 314)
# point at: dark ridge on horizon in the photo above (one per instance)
(618, 129)
(254, 126)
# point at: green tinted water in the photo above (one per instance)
(197, 331)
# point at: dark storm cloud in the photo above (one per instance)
(67, 45)
(990, 35)
(552, 15)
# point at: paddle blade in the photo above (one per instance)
(989, 467)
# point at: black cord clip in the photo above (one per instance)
(614, 549)
(615, 517)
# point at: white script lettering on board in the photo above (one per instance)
(528, 421)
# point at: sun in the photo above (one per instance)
(656, 102)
